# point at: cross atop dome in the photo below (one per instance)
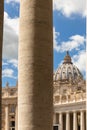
(67, 52)
(67, 58)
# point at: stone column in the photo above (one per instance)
(1, 43)
(54, 118)
(82, 121)
(60, 121)
(67, 121)
(75, 121)
(35, 67)
(6, 117)
(16, 118)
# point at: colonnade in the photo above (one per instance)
(74, 124)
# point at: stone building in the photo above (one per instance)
(69, 97)
(9, 108)
(69, 100)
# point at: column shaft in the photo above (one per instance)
(82, 120)
(75, 121)
(54, 118)
(6, 117)
(60, 121)
(67, 121)
(1, 43)
(35, 78)
(16, 118)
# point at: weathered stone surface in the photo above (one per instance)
(35, 89)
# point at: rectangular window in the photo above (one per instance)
(55, 127)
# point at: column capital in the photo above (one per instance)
(82, 110)
(6, 105)
(60, 112)
(67, 112)
(74, 111)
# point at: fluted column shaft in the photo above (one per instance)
(1, 43)
(75, 121)
(60, 121)
(6, 117)
(82, 120)
(67, 121)
(35, 78)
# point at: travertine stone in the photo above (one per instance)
(74, 121)
(67, 121)
(1, 39)
(82, 120)
(35, 89)
(7, 117)
(60, 121)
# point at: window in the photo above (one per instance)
(12, 109)
(13, 129)
(55, 127)
(12, 124)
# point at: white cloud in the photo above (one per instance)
(8, 73)
(80, 61)
(69, 7)
(74, 42)
(10, 37)
(4, 63)
(55, 41)
(14, 62)
(8, 1)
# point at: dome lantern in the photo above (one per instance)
(67, 58)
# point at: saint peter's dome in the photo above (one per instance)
(67, 70)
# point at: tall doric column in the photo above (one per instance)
(1, 40)
(60, 121)
(82, 120)
(67, 121)
(35, 78)
(75, 121)
(6, 117)
(16, 117)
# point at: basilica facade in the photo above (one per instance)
(69, 100)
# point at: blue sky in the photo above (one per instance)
(69, 29)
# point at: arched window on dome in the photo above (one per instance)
(69, 75)
(63, 75)
(69, 69)
(75, 75)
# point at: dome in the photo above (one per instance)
(67, 70)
